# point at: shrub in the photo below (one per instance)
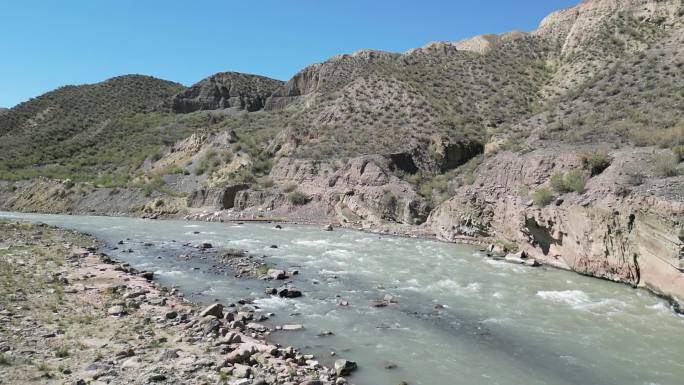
(61, 352)
(290, 187)
(575, 181)
(266, 182)
(635, 178)
(679, 152)
(298, 198)
(596, 163)
(666, 164)
(542, 196)
(557, 183)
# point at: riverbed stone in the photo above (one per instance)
(288, 292)
(344, 367)
(276, 274)
(215, 310)
(241, 371)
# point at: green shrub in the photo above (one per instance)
(61, 352)
(266, 182)
(666, 164)
(290, 187)
(679, 152)
(557, 183)
(298, 198)
(575, 180)
(635, 178)
(542, 196)
(596, 163)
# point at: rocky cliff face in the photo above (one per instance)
(614, 230)
(358, 192)
(226, 90)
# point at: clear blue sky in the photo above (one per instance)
(46, 44)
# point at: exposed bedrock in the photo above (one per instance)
(613, 230)
(217, 198)
(360, 191)
(226, 90)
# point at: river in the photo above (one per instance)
(460, 318)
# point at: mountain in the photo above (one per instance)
(226, 90)
(565, 143)
(78, 128)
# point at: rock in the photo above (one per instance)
(224, 90)
(278, 227)
(286, 292)
(271, 291)
(232, 338)
(276, 274)
(256, 326)
(157, 377)
(532, 262)
(344, 367)
(136, 294)
(242, 353)
(378, 303)
(328, 227)
(311, 382)
(295, 327)
(125, 353)
(116, 310)
(204, 246)
(171, 314)
(241, 371)
(148, 275)
(521, 258)
(133, 362)
(215, 310)
(168, 355)
(496, 248)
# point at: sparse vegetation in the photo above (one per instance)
(596, 163)
(666, 164)
(542, 196)
(573, 180)
(298, 198)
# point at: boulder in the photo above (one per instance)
(287, 292)
(276, 274)
(116, 310)
(241, 371)
(215, 310)
(344, 367)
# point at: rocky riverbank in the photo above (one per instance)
(73, 316)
